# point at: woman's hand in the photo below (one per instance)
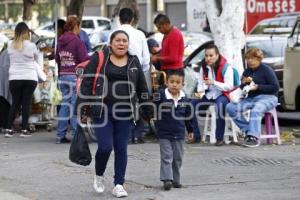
(199, 94)
(209, 81)
(246, 80)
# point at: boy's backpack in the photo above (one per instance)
(81, 66)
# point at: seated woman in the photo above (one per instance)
(261, 98)
(215, 79)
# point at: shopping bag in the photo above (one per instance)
(79, 150)
(236, 95)
(57, 96)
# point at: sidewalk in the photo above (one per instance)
(37, 168)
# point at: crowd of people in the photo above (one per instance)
(120, 99)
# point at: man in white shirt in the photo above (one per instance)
(137, 46)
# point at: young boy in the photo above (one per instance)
(172, 117)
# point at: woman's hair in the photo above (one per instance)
(115, 33)
(254, 53)
(71, 23)
(212, 46)
(21, 34)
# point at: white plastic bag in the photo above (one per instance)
(236, 95)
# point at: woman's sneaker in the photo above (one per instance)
(119, 191)
(25, 133)
(251, 141)
(98, 184)
(8, 133)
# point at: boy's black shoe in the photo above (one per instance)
(167, 185)
(251, 141)
(177, 185)
(62, 140)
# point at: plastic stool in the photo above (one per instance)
(210, 127)
(272, 114)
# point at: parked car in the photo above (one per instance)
(88, 24)
(291, 80)
(275, 25)
(93, 23)
(45, 31)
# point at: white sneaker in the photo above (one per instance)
(119, 191)
(98, 184)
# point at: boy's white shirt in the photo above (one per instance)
(169, 96)
(218, 87)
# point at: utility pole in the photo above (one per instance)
(6, 12)
(150, 7)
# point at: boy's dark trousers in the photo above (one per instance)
(171, 154)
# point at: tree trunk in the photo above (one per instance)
(227, 29)
(27, 9)
(76, 8)
(126, 4)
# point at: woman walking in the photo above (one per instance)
(118, 87)
(23, 77)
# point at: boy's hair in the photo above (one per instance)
(178, 72)
(162, 19)
(126, 15)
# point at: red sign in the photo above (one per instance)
(258, 10)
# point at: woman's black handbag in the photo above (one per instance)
(79, 150)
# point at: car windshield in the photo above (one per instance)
(271, 48)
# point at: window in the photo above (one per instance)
(103, 23)
(271, 48)
(259, 28)
(291, 22)
(198, 57)
(87, 24)
(296, 34)
(283, 23)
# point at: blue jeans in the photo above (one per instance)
(67, 85)
(113, 134)
(220, 104)
(257, 105)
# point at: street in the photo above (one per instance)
(37, 168)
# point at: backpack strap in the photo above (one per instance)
(100, 63)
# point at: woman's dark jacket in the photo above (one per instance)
(135, 75)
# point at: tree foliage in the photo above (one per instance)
(76, 8)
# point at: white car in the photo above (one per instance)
(3, 40)
(88, 24)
